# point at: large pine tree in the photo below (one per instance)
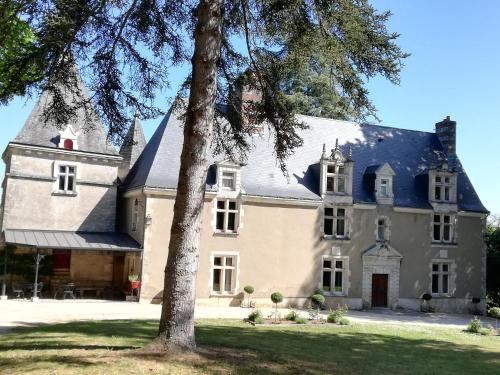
(310, 56)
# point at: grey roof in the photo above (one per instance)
(410, 154)
(47, 239)
(133, 143)
(92, 137)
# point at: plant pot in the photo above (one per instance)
(135, 284)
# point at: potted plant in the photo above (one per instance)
(426, 307)
(276, 298)
(249, 290)
(133, 278)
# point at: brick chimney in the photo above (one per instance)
(446, 131)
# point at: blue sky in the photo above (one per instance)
(453, 70)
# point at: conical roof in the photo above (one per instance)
(92, 136)
(133, 143)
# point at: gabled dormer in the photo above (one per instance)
(383, 184)
(336, 175)
(68, 138)
(443, 186)
(228, 178)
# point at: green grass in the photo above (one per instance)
(230, 347)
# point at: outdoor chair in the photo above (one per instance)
(69, 291)
(39, 288)
(18, 291)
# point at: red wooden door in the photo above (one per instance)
(62, 259)
(380, 283)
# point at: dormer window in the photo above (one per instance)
(228, 180)
(442, 185)
(68, 138)
(384, 187)
(442, 188)
(335, 179)
(381, 176)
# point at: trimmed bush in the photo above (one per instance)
(254, 315)
(336, 315)
(249, 289)
(486, 331)
(474, 325)
(332, 317)
(277, 297)
(300, 320)
(494, 312)
(259, 320)
(344, 321)
(292, 315)
(318, 300)
(319, 291)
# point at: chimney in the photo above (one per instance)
(446, 132)
(249, 93)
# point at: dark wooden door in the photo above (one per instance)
(380, 284)
(62, 259)
(118, 267)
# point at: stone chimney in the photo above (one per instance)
(248, 93)
(446, 132)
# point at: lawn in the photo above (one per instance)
(231, 347)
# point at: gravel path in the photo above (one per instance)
(15, 313)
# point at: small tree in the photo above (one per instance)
(317, 301)
(276, 297)
(248, 290)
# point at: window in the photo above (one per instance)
(335, 222)
(333, 275)
(224, 274)
(442, 187)
(335, 179)
(66, 178)
(68, 144)
(442, 228)
(440, 278)
(135, 215)
(228, 180)
(384, 188)
(381, 227)
(226, 219)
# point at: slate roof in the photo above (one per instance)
(48, 239)
(133, 143)
(410, 154)
(92, 137)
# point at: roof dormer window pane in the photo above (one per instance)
(336, 179)
(341, 185)
(228, 180)
(384, 187)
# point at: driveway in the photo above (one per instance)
(15, 313)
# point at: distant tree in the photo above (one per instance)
(493, 263)
(308, 56)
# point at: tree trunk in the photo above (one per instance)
(176, 332)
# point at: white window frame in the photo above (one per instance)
(440, 274)
(235, 267)
(336, 175)
(334, 270)
(66, 174)
(442, 225)
(444, 184)
(335, 218)
(228, 176)
(226, 211)
(384, 187)
(384, 226)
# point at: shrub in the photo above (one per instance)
(474, 325)
(276, 297)
(494, 312)
(300, 320)
(249, 290)
(292, 316)
(319, 291)
(259, 320)
(254, 315)
(486, 331)
(344, 321)
(318, 300)
(336, 315)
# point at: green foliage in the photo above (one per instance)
(249, 289)
(259, 320)
(319, 291)
(24, 264)
(133, 277)
(493, 265)
(344, 321)
(300, 320)
(292, 315)
(254, 315)
(335, 316)
(277, 297)
(494, 312)
(317, 300)
(474, 325)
